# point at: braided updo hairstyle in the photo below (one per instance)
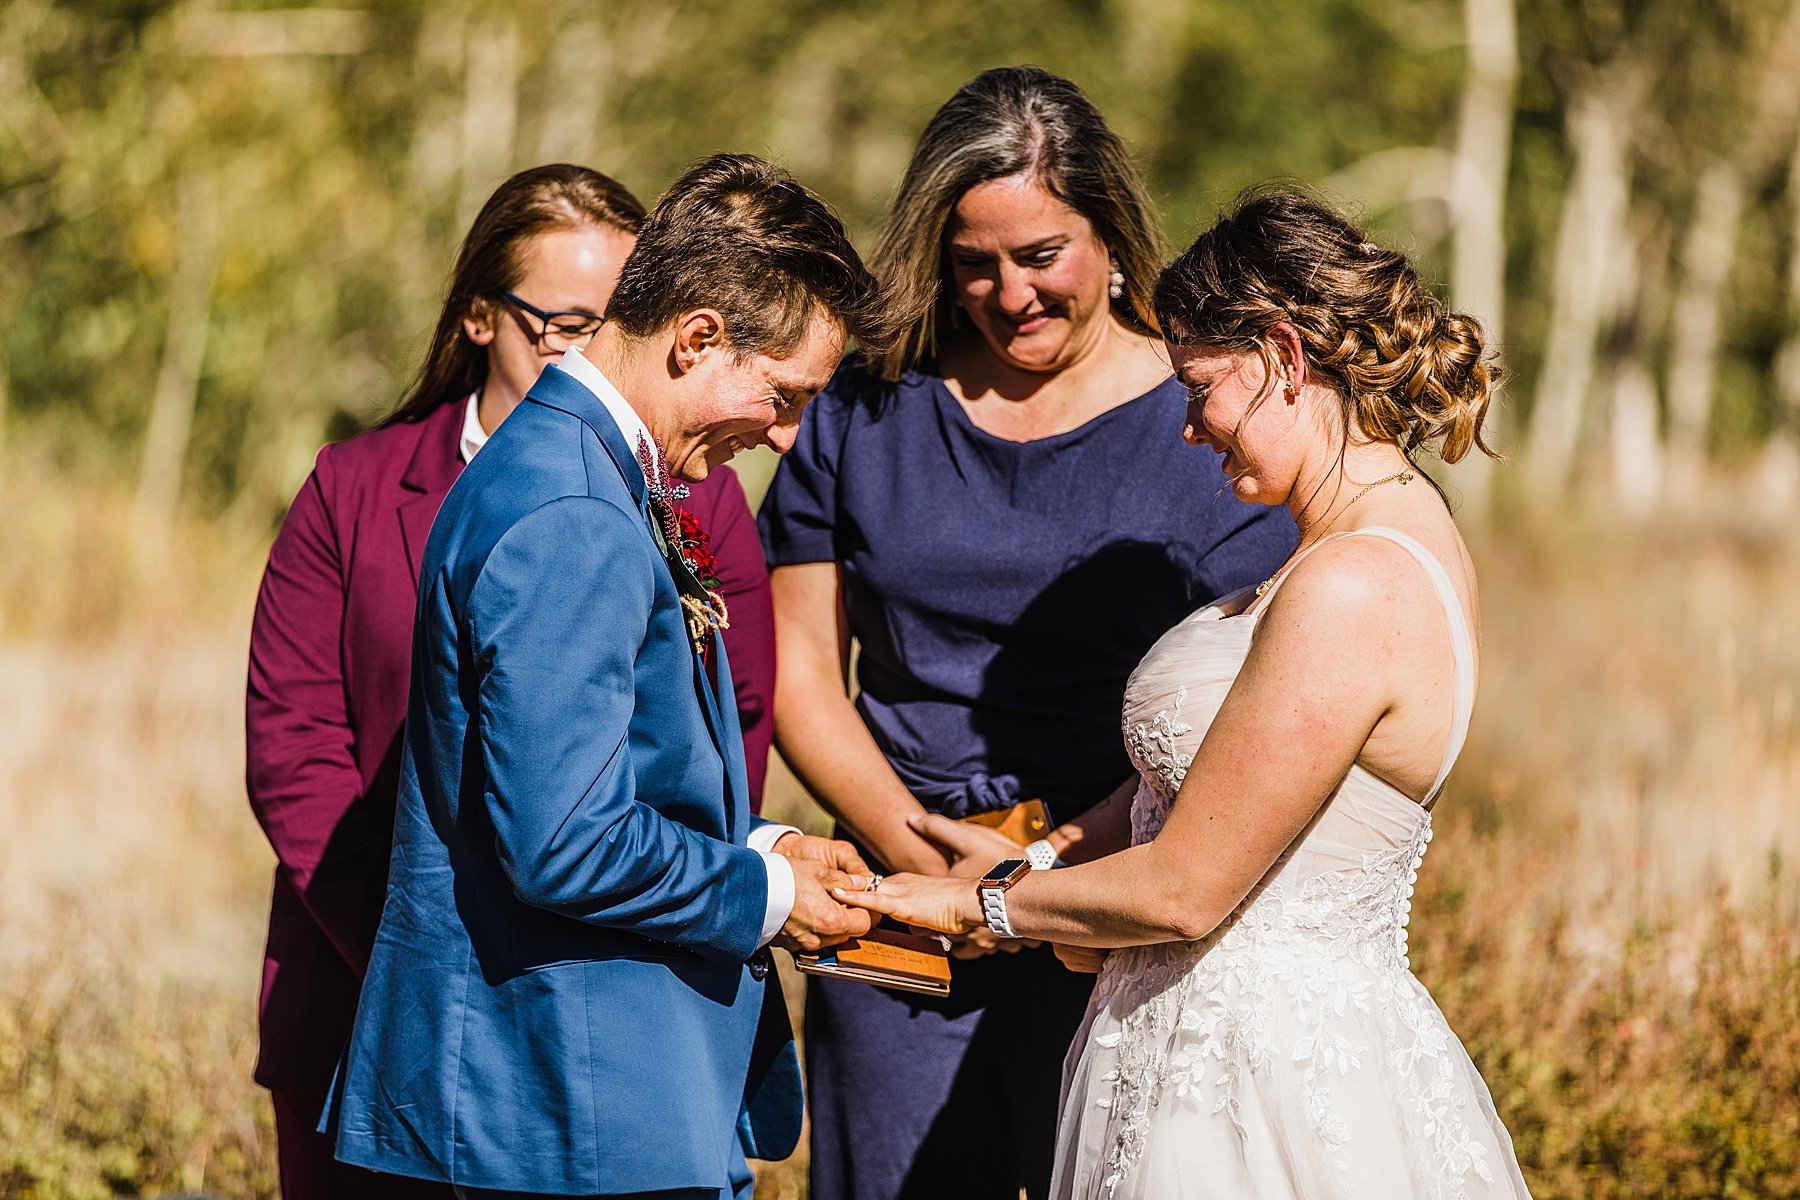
(1405, 369)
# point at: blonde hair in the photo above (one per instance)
(1405, 369)
(1010, 121)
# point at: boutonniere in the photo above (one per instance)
(684, 544)
(706, 613)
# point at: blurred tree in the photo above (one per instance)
(1532, 159)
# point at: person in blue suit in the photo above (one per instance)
(567, 991)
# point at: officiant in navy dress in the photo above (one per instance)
(1003, 515)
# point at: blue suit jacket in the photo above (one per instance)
(559, 999)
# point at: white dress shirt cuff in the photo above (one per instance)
(781, 879)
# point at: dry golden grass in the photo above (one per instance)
(1606, 916)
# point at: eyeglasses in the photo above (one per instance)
(557, 331)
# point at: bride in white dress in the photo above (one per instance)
(1256, 1030)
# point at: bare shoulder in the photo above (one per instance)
(1350, 576)
(1370, 598)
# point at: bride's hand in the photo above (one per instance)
(946, 903)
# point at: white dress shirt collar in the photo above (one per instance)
(474, 437)
(624, 416)
(575, 363)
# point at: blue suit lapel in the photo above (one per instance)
(555, 388)
(728, 736)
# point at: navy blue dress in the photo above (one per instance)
(1001, 593)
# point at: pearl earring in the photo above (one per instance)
(1115, 285)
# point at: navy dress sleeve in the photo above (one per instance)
(800, 513)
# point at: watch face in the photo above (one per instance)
(1003, 870)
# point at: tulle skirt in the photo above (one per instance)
(1275, 1070)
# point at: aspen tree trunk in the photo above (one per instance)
(1637, 452)
(1710, 248)
(1484, 154)
(1780, 471)
(1633, 419)
(4, 396)
(435, 155)
(580, 69)
(184, 350)
(1706, 258)
(1588, 238)
(490, 111)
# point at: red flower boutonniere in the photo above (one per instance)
(696, 549)
(684, 546)
(706, 613)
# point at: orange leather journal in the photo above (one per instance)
(886, 957)
(1024, 823)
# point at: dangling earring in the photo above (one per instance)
(1115, 283)
(1288, 386)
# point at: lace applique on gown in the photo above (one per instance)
(1291, 1053)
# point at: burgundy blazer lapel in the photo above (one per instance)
(436, 462)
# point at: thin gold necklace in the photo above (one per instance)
(1402, 477)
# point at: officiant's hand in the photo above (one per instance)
(971, 850)
(1083, 960)
(979, 943)
(833, 852)
(817, 920)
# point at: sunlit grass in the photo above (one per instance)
(1607, 917)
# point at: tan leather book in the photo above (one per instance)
(885, 957)
(1024, 823)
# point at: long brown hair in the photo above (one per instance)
(492, 260)
(1005, 122)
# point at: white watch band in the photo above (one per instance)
(1041, 854)
(993, 908)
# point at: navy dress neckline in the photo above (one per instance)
(947, 399)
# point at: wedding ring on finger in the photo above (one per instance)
(874, 884)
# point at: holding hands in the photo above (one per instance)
(822, 867)
(949, 903)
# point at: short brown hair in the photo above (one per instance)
(1406, 370)
(737, 234)
(492, 261)
(1011, 121)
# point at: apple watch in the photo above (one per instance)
(992, 890)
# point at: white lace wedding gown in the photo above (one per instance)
(1291, 1053)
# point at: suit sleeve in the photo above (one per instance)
(555, 621)
(300, 764)
(743, 576)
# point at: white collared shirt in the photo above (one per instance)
(762, 840)
(624, 416)
(474, 437)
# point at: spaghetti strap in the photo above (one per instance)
(1462, 642)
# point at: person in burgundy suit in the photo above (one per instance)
(331, 643)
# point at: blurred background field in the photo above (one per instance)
(223, 228)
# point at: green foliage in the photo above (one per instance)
(327, 185)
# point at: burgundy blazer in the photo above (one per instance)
(330, 654)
